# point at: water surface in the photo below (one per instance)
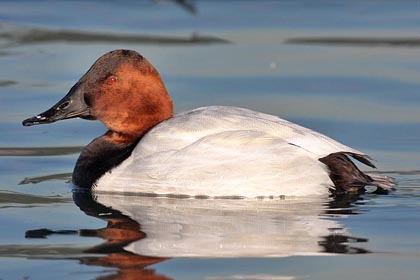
(349, 69)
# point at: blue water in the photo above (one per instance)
(273, 56)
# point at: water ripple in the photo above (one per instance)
(9, 199)
(20, 35)
(39, 151)
(357, 41)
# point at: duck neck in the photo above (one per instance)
(125, 130)
(100, 156)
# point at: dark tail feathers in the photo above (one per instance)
(347, 178)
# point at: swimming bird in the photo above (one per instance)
(215, 151)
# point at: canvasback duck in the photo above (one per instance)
(215, 151)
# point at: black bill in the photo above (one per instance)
(71, 106)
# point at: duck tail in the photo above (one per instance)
(348, 178)
(382, 182)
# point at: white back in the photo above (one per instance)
(226, 151)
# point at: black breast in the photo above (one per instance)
(97, 158)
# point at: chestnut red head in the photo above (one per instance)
(121, 89)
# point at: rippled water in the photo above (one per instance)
(349, 69)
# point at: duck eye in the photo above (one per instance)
(111, 80)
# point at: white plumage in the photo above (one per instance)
(226, 151)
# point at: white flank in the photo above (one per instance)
(226, 151)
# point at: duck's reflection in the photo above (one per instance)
(120, 231)
(145, 230)
(232, 228)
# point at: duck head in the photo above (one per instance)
(122, 90)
